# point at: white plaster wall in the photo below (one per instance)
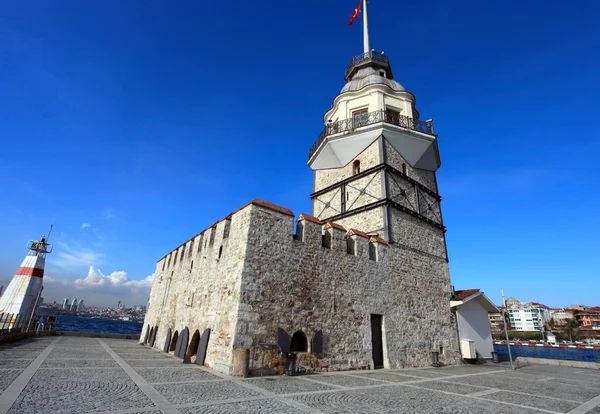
(473, 324)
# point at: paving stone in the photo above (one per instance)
(143, 355)
(255, 406)
(153, 375)
(7, 377)
(425, 373)
(158, 363)
(203, 391)
(401, 400)
(344, 380)
(75, 397)
(450, 387)
(595, 410)
(563, 391)
(386, 376)
(532, 401)
(89, 374)
(74, 354)
(287, 385)
(79, 363)
(15, 363)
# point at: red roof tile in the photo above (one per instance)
(353, 232)
(377, 239)
(332, 225)
(463, 294)
(273, 207)
(309, 218)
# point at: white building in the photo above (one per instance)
(472, 308)
(561, 316)
(527, 316)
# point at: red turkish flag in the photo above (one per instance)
(355, 14)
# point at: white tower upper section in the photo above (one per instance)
(370, 105)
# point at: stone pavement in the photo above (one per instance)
(89, 375)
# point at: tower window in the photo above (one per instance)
(220, 251)
(360, 118)
(392, 116)
(404, 169)
(356, 167)
(382, 73)
(373, 251)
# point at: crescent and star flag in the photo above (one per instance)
(354, 14)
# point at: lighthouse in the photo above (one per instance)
(23, 292)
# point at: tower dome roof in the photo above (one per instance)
(370, 76)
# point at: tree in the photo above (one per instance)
(572, 329)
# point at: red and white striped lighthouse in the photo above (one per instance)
(23, 292)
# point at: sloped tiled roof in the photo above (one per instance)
(463, 294)
(306, 217)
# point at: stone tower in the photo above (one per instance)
(375, 161)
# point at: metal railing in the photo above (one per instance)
(12, 322)
(370, 118)
(369, 56)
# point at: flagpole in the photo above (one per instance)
(367, 46)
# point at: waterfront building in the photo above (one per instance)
(589, 318)
(74, 305)
(65, 303)
(527, 316)
(562, 316)
(80, 305)
(23, 293)
(364, 280)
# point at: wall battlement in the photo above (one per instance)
(309, 230)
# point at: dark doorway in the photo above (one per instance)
(182, 343)
(167, 343)
(153, 336)
(193, 348)
(376, 341)
(299, 342)
(147, 334)
(174, 341)
(203, 346)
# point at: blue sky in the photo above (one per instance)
(128, 126)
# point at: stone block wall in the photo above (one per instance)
(248, 275)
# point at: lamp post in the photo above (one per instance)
(512, 366)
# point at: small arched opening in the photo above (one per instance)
(299, 342)
(356, 167)
(404, 169)
(149, 335)
(174, 341)
(152, 338)
(193, 348)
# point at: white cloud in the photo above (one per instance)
(95, 279)
(69, 257)
(98, 287)
(108, 213)
(85, 226)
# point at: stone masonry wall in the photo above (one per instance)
(395, 159)
(202, 289)
(300, 285)
(369, 158)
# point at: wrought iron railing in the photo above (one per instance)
(370, 118)
(369, 56)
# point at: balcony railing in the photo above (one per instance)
(370, 118)
(365, 57)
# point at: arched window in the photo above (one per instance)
(404, 169)
(299, 342)
(174, 341)
(356, 167)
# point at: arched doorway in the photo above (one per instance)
(299, 342)
(153, 336)
(182, 343)
(167, 342)
(174, 341)
(149, 335)
(193, 348)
